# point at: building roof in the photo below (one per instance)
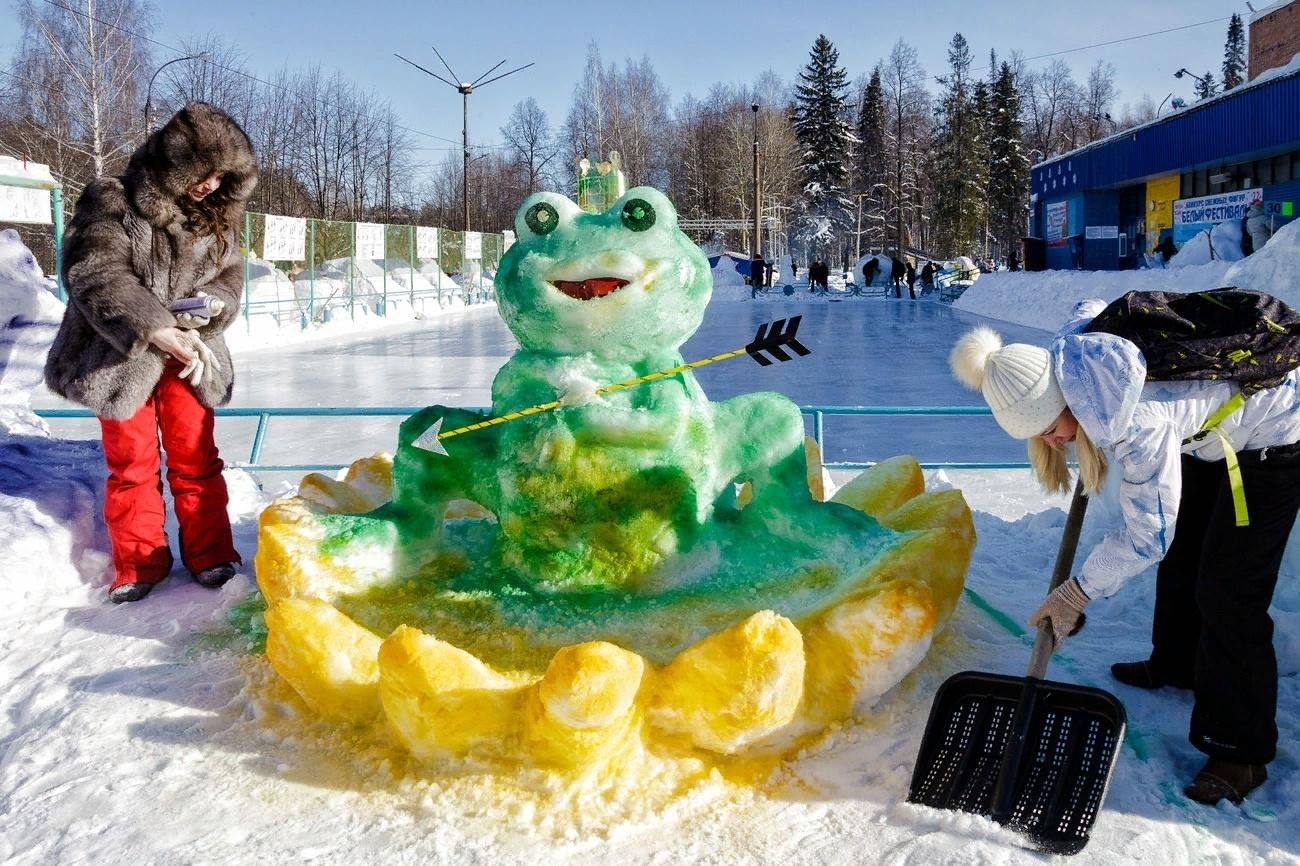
(1268, 78)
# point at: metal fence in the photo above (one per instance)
(816, 414)
(339, 275)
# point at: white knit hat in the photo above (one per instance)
(1016, 381)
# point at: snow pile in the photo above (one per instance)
(29, 319)
(882, 276)
(725, 273)
(1274, 269)
(1044, 299)
(1198, 250)
(1225, 240)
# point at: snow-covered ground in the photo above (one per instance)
(146, 733)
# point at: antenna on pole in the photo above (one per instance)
(464, 88)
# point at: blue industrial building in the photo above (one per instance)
(1102, 206)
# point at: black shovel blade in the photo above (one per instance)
(1064, 761)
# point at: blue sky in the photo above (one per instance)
(691, 44)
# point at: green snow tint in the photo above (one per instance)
(468, 596)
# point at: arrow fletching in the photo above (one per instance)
(775, 339)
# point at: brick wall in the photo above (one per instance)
(1274, 39)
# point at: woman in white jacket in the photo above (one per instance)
(1211, 630)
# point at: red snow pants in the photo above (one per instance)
(133, 498)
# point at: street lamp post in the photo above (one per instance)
(148, 97)
(758, 209)
(464, 88)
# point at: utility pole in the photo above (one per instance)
(758, 210)
(464, 88)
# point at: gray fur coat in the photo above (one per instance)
(130, 251)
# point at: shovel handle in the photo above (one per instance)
(1044, 642)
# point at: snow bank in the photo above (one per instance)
(1044, 299)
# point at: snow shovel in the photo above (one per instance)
(1031, 754)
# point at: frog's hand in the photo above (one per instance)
(424, 479)
(760, 440)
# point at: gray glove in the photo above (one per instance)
(203, 361)
(1063, 609)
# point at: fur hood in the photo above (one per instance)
(129, 251)
(199, 140)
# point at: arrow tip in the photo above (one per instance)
(428, 440)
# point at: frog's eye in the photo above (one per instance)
(638, 215)
(542, 218)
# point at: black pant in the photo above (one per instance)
(1213, 589)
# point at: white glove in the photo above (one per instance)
(194, 320)
(203, 360)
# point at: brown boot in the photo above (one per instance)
(1225, 780)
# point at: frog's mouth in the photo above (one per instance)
(602, 274)
(585, 290)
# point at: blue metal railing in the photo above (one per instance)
(817, 413)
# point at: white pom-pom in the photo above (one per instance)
(971, 354)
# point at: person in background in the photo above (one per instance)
(927, 277)
(757, 269)
(1211, 632)
(911, 280)
(165, 230)
(1166, 247)
(1257, 226)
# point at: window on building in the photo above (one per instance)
(1282, 168)
(1262, 172)
(1295, 164)
(1200, 185)
(1185, 185)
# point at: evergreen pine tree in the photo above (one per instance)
(1234, 54)
(826, 141)
(960, 162)
(1008, 162)
(871, 164)
(1205, 88)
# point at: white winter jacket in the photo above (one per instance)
(1142, 426)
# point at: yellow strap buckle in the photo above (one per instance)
(1211, 425)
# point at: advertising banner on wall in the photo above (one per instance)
(285, 239)
(1057, 218)
(1192, 215)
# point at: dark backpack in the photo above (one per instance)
(1248, 337)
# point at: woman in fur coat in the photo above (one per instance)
(164, 231)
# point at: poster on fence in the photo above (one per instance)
(473, 247)
(22, 205)
(285, 239)
(426, 242)
(370, 241)
(508, 240)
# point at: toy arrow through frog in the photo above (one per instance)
(773, 341)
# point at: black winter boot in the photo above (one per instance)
(1225, 780)
(130, 592)
(1144, 675)
(215, 576)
